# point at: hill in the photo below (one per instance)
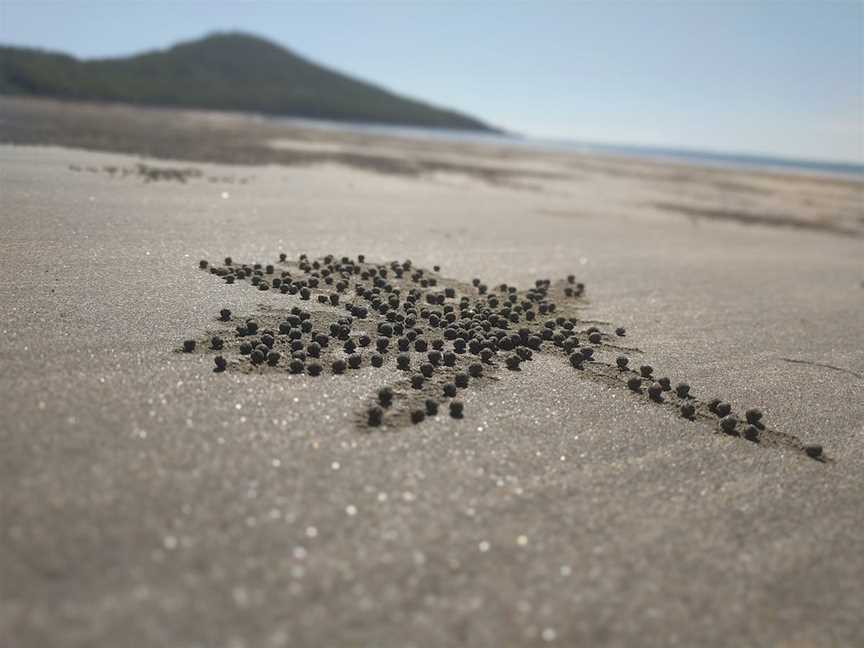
(225, 71)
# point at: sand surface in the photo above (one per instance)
(148, 501)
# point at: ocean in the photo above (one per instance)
(690, 156)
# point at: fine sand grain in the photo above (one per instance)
(147, 500)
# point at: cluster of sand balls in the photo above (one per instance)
(441, 339)
(661, 391)
(443, 335)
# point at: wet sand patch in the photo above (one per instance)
(749, 218)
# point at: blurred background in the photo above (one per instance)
(781, 79)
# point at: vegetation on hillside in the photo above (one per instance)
(220, 72)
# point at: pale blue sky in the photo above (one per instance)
(782, 78)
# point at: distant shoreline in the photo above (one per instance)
(711, 159)
(235, 137)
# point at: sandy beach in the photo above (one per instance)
(147, 500)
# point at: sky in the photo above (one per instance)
(781, 78)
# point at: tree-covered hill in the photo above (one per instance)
(225, 71)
